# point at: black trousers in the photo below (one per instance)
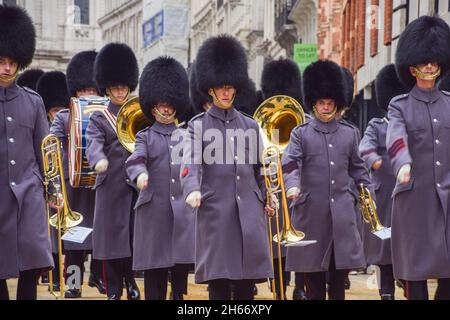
(387, 281)
(221, 289)
(300, 280)
(26, 287)
(316, 283)
(418, 290)
(155, 281)
(277, 276)
(115, 273)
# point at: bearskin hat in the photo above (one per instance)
(221, 61)
(324, 80)
(53, 90)
(198, 98)
(164, 80)
(246, 99)
(282, 77)
(349, 87)
(424, 40)
(116, 65)
(29, 78)
(388, 86)
(80, 72)
(17, 35)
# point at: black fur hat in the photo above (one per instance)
(426, 39)
(282, 77)
(388, 86)
(221, 61)
(444, 84)
(164, 80)
(198, 98)
(324, 80)
(29, 78)
(246, 99)
(349, 87)
(80, 72)
(17, 35)
(116, 65)
(53, 90)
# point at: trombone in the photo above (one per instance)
(55, 192)
(277, 117)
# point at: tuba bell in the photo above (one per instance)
(130, 120)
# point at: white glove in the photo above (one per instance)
(293, 193)
(101, 166)
(274, 202)
(142, 181)
(194, 199)
(404, 174)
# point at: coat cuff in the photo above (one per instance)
(371, 159)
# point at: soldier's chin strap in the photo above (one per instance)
(425, 76)
(219, 103)
(325, 117)
(167, 119)
(114, 100)
(10, 78)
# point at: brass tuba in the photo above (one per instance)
(55, 192)
(130, 120)
(369, 210)
(277, 117)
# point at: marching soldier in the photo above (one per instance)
(164, 225)
(79, 82)
(282, 77)
(29, 78)
(116, 73)
(320, 162)
(231, 231)
(418, 147)
(51, 86)
(374, 152)
(24, 242)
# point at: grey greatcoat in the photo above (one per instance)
(418, 131)
(373, 148)
(24, 239)
(81, 200)
(114, 201)
(322, 160)
(164, 225)
(231, 226)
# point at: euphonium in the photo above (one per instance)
(130, 120)
(55, 192)
(369, 210)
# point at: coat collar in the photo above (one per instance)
(10, 93)
(427, 96)
(114, 108)
(164, 129)
(329, 127)
(224, 115)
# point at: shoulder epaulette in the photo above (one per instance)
(31, 91)
(445, 92)
(400, 97)
(197, 116)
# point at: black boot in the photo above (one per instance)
(113, 297)
(387, 297)
(72, 294)
(176, 296)
(299, 294)
(255, 290)
(347, 283)
(97, 283)
(133, 292)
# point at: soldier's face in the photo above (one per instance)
(87, 92)
(119, 93)
(426, 71)
(8, 68)
(223, 96)
(325, 110)
(164, 113)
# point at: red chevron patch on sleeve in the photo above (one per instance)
(185, 173)
(396, 147)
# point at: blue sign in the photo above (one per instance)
(153, 29)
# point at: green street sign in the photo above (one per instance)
(305, 54)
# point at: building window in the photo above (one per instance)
(153, 29)
(81, 11)
(374, 28)
(219, 3)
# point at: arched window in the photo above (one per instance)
(81, 11)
